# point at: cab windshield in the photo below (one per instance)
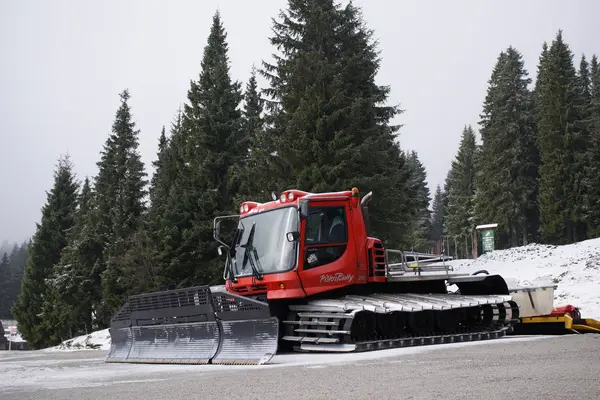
(268, 247)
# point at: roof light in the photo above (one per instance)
(245, 207)
(291, 196)
(282, 198)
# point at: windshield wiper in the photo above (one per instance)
(251, 250)
(232, 257)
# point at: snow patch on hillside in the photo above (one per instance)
(99, 340)
(574, 268)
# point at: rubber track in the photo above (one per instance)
(326, 325)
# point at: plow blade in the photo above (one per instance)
(193, 326)
(247, 342)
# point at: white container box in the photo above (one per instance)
(533, 300)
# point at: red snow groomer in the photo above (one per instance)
(302, 273)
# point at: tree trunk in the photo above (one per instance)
(514, 241)
(570, 232)
(455, 248)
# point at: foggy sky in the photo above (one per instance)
(63, 64)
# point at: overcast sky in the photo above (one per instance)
(63, 64)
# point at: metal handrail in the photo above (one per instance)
(417, 266)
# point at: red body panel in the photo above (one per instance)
(568, 309)
(351, 262)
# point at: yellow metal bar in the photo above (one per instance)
(591, 325)
(592, 322)
(537, 320)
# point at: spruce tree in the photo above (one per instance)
(162, 220)
(253, 172)
(561, 146)
(120, 191)
(327, 116)
(210, 141)
(13, 276)
(421, 231)
(437, 215)
(509, 159)
(47, 244)
(459, 220)
(592, 184)
(159, 165)
(72, 283)
(6, 278)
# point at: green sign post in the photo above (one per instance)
(488, 240)
(487, 237)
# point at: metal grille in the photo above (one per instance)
(122, 319)
(232, 307)
(172, 307)
(194, 296)
(123, 314)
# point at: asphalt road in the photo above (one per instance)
(565, 367)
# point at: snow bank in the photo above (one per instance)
(574, 268)
(99, 340)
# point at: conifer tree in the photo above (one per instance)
(592, 184)
(120, 192)
(561, 146)
(6, 277)
(159, 165)
(437, 215)
(253, 171)
(327, 116)
(46, 247)
(509, 159)
(421, 230)
(163, 230)
(70, 311)
(210, 142)
(11, 278)
(459, 220)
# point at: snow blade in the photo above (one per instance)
(249, 335)
(193, 326)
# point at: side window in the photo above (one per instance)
(313, 227)
(326, 236)
(326, 225)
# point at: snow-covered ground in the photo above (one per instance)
(99, 340)
(574, 268)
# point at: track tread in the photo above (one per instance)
(382, 321)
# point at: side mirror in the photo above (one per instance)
(293, 236)
(221, 250)
(303, 210)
